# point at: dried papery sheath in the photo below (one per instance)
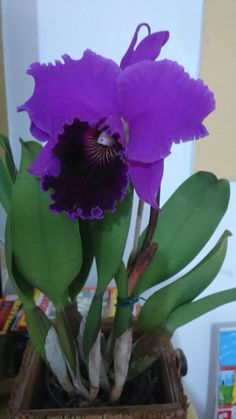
(95, 367)
(146, 350)
(104, 381)
(122, 353)
(79, 339)
(104, 371)
(109, 348)
(57, 361)
(77, 380)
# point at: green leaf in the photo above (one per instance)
(6, 185)
(38, 326)
(190, 311)
(159, 306)
(24, 290)
(88, 255)
(109, 240)
(37, 322)
(186, 223)
(8, 157)
(46, 246)
(93, 324)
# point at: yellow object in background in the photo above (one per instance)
(192, 414)
(217, 153)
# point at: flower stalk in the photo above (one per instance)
(148, 249)
(153, 219)
(137, 230)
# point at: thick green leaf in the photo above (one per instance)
(186, 223)
(159, 306)
(6, 185)
(46, 246)
(109, 239)
(8, 157)
(24, 290)
(190, 311)
(38, 326)
(37, 322)
(93, 324)
(88, 255)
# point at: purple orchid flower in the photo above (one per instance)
(106, 125)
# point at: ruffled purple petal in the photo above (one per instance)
(84, 88)
(161, 105)
(82, 190)
(146, 179)
(148, 49)
(46, 163)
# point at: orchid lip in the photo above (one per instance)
(99, 147)
(88, 169)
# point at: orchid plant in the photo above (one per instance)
(106, 130)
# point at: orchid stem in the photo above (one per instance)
(141, 260)
(137, 228)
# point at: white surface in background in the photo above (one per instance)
(20, 49)
(43, 30)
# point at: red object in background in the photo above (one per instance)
(5, 308)
(224, 414)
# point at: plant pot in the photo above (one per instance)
(28, 395)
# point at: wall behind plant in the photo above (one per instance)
(43, 30)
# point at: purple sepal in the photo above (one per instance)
(148, 49)
(146, 179)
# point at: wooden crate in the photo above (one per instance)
(25, 398)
